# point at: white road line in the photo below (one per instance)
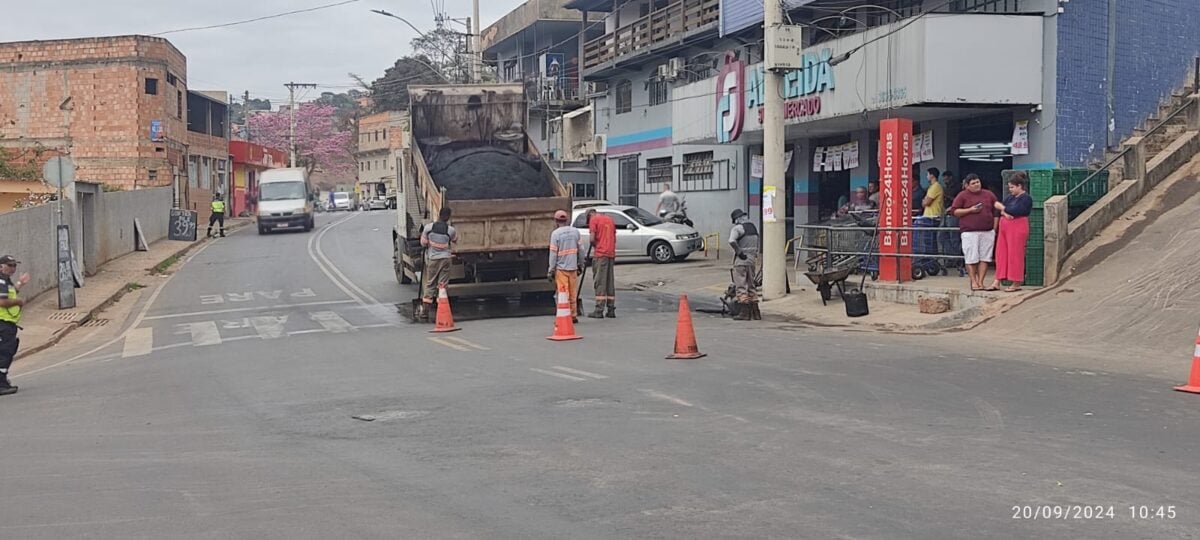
(446, 343)
(466, 343)
(138, 342)
(581, 372)
(331, 322)
(136, 322)
(557, 374)
(385, 312)
(383, 325)
(659, 395)
(311, 331)
(336, 270)
(269, 327)
(204, 333)
(239, 310)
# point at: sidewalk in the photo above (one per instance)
(44, 324)
(894, 307)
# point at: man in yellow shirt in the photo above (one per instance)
(934, 202)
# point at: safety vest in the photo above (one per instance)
(11, 314)
(218, 206)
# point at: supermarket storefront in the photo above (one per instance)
(940, 71)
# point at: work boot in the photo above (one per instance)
(6, 387)
(755, 314)
(598, 313)
(743, 313)
(612, 311)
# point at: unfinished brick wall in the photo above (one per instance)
(107, 126)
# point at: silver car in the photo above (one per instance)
(642, 234)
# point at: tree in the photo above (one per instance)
(390, 92)
(447, 51)
(320, 141)
(345, 106)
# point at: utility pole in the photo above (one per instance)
(292, 86)
(476, 42)
(774, 231)
(246, 113)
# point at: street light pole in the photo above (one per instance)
(292, 117)
(476, 41)
(773, 227)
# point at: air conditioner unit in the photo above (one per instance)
(588, 147)
(675, 67)
(595, 89)
(600, 144)
(664, 72)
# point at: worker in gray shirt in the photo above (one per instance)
(436, 238)
(565, 243)
(744, 240)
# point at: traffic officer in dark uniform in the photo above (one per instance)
(10, 316)
(218, 214)
(744, 240)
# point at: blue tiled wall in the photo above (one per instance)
(1156, 42)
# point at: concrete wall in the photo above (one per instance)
(1154, 43)
(114, 215)
(29, 235)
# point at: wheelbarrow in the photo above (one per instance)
(826, 280)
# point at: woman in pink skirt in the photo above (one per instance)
(1014, 233)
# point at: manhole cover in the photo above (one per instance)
(95, 322)
(63, 316)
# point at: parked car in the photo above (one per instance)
(342, 201)
(641, 233)
(378, 203)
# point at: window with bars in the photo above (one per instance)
(658, 170)
(624, 97)
(698, 167)
(659, 91)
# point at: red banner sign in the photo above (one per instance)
(895, 198)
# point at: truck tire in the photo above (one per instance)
(662, 252)
(398, 263)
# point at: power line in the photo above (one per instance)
(256, 19)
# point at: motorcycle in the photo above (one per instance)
(679, 217)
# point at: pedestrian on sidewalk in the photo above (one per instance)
(436, 238)
(218, 215)
(744, 240)
(975, 209)
(10, 317)
(603, 234)
(565, 243)
(1014, 234)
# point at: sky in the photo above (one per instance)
(316, 47)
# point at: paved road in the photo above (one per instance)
(225, 408)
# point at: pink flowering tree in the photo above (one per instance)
(319, 142)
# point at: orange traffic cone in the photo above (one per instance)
(1193, 384)
(685, 335)
(445, 320)
(564, 328)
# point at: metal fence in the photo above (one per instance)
(853, 246)
(708, 175)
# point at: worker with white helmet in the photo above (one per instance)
(564, 269)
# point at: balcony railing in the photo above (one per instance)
(663, 26)
(552, 91)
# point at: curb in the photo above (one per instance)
(112, 299)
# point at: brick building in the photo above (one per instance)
(380, 139)
(208, 161)
(117, 104)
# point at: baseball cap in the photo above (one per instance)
(9, 259)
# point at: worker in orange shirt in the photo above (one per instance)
(603, 233)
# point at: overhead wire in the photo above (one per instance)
(256, 19)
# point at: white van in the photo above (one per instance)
(284, 200)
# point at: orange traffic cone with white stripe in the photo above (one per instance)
(1193, 384)
(564, 327)
(685, 335)
(445, 320)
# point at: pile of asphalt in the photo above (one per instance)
(471, 171)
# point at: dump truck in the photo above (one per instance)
(468, 149)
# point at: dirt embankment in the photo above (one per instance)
(470, 171)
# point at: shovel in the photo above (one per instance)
(578, 293)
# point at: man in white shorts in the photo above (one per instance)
(977, 219)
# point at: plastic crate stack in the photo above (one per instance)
(1046, 183)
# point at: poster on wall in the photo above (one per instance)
(837, 158)
(819, 159)
(1020, 139)
(851, 155)
(758, 170)
(768, 204)
(927, 146)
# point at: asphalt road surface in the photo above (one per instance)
(224, 407)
